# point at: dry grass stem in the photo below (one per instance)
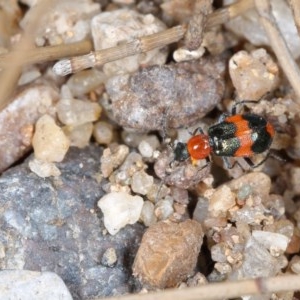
(218, 290)
(49, 53)
(10, 75)
(278, 44)
(295, 6)
(146, 43)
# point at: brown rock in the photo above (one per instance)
(168, 253)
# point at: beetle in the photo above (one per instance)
(236, 135)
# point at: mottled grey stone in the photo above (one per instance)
(54, 225)
(29, 285)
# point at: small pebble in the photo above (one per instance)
(43, 169)
(76, 112)
(168, 253)
(221, 201)
(271, 240)
(49, 142)
(103, 132)
(253, 75)
(27, 285)
(112, 158)
(112, 28)
(109, 258)
(120, 209)
(295, 264)
(80, 135)
(147, 215)
(141, 182)
(145, 149)
(163, 209)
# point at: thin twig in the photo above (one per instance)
(295, 6)
(278, 44)
(146, 43)
(224, 289)
(49, 53)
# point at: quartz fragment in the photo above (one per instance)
(113, 28)
(77, 112)
(103, 132)
(43, 168)
(168, 253)
(49, 142)
(253, 75)
(112, 158)
(18, 118)
(249, 27)
(26, 285)
(120, 209)
(147, 215)
(141, 182)
(67, 22)
(109, 258)
(80, 135)
(221, 201)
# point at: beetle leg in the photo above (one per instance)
(227, 163)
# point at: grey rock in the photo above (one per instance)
(54, 225)
(28, 285)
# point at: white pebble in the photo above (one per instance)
(141, 182)
(49, 142)
(147, 216)
(120, 209)
(43, 169)
(76, 112)
(80, 135)
(103, 132)
(221, 200)
(163, 209)
(145, 149)
(271, 240)
(112, 28)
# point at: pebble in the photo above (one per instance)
(28, 285)
(259, 182)
(116, 27)
(145, 149)
(168, 253)
(147, 215)
(112, 158)
(77, 112)
(159, 95)
(163, 209)
(141, 182)
(120, 209)
(79, 135)
(257, 68)
(109, 258)
(43, 169)
(257, 262)
(68, 22)
(200, 213)
(103, 133)
(85, 81)
(271, 240)
(295, 264)
(221, 201)
(49, 142)
(249, 27)
(19, 118)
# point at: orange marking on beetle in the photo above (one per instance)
(243, 133)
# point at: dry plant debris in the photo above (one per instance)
(158, 70)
